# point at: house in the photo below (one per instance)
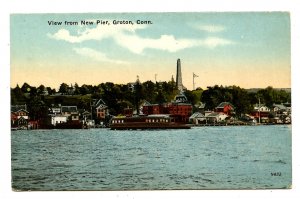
(197, 118)
(33, 124)
(260, 111)
(55, 109)
(225, 107)
(70, 112)
(63, 117)
(84, 115)
(19, 116)
(216, 117)
(180, 111)
(101, 109)
(149, 109)
(279, 109)
(288, 107)
(58, 119)
(283, 112)
(180, 108)
(200, 107)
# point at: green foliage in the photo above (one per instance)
(63, 88)
(120, 96)
(241, 99)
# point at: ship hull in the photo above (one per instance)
(146, 122)
(147, 126)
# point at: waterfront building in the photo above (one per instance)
(261, 111)
(179, 109)
(279, 109)
(282, 114)
(149, 109)
(200, 107)
(19, 116)
(101, 109)
(197, 118)
(84, 115)
(58, 119)
(55, 109)
(216, 117)
(225, 107)
(70, 112)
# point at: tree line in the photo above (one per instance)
(120, 96)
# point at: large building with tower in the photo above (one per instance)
(179, 109)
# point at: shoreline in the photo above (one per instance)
(191, 125)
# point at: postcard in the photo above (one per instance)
(151, 101)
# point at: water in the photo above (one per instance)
(248, 157)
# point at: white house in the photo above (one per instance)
(280, 109)
(197, 118)
(71, 112)
(261, 108)
(56, 119)
(216, 117)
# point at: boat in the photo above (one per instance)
(157, 121)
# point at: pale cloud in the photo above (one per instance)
(97, 55)
(137, 44)
(211, 28)
(212, 42)
(126, 37)
(99, 33)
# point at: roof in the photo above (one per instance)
(202, 105)
(69, 109)
(287, 104)
(99, 102)
(159, 115)
(197, 115)
(223, 104)
(180, 98)
(101, 106)
(21, 110)
(86, 113)
(280, 106)
(151, 105)
(15, 108)
(215, 114)
(259, 106)
(146, 103)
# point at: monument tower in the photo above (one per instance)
(179, 85)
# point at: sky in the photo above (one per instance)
(246, 49)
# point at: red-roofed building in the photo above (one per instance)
(225, 107)
(179, 109)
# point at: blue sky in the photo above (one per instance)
(244, 49)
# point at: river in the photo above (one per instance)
(226, 157)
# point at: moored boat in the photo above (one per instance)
(159, 121)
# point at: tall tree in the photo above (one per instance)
(26, 88)
(63, 88)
